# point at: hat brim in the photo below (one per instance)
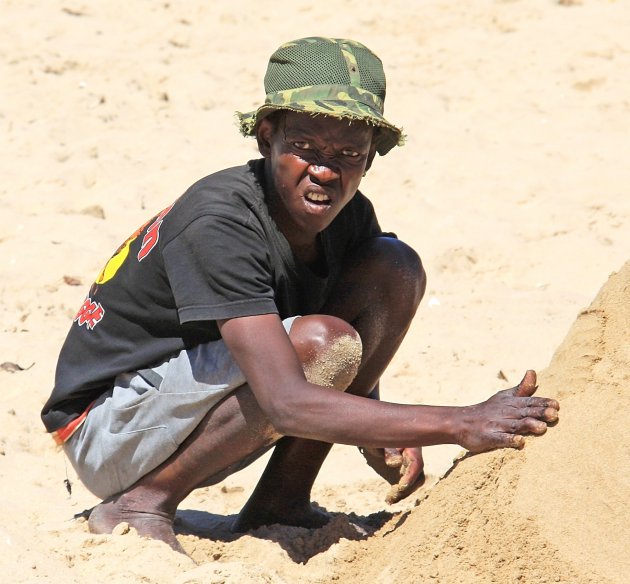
(388, 136)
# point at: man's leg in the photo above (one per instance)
(378, 295)
(233, 430)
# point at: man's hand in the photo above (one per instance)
(403, 468)
(410, 466)
(502, 420)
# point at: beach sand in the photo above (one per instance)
(512, 187)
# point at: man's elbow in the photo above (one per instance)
(284, 417)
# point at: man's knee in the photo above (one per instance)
(396, 271)
(329, 348)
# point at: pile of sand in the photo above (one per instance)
(557, 512)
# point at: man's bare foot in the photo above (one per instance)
(256, 514)
(152, 524)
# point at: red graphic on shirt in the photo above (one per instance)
(149, 241)
(90, 314)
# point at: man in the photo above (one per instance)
(225, 324)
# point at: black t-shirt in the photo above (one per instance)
(214, 254)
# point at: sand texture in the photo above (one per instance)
(513, 187)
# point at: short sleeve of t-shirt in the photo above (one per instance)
(219, 268)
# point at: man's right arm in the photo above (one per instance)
(298, 408)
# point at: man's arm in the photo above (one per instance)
(295, 407)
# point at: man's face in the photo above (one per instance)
(314, 165)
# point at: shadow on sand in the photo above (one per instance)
(301, 544)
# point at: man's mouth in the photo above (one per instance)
(317, 198)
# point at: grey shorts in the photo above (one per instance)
(142, 420)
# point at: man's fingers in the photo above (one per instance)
(393, 457)
(505, 440)
(412, 478)
(375, 457)
(515, 436)
(532, 426)
(508, 415)
(516, 441)
(527, 386)
(539, 402)
(408, 463)
(548, 414)
(524, 426)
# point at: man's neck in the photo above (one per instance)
(308, 254)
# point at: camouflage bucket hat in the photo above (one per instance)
(333, 77)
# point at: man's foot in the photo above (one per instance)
(256, 514)
(152, 524)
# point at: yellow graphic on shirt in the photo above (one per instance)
(149, 241)
(117, 260)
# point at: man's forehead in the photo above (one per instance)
(324, 125)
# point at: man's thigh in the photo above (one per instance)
(144, 418)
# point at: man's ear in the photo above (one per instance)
(264, 132)
(371, 155)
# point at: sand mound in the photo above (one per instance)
(556, 512)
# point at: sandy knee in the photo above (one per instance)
(330, 350)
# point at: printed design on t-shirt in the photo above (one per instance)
(119, 257)
(151, 237)
(90, 314)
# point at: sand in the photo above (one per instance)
(512, 186)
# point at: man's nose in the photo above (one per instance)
(323, 173)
